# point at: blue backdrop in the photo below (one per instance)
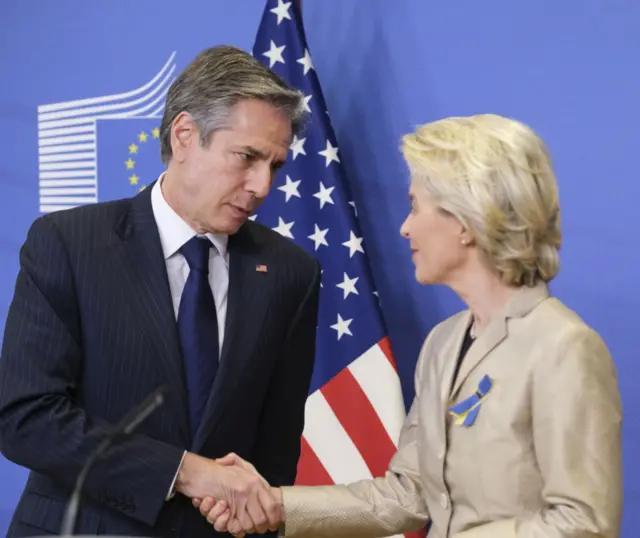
(570, 69)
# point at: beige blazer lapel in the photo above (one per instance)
(494, 333)
(520, 304)
(449, 354)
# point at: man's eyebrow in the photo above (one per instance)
(260, 155)
(253, 151)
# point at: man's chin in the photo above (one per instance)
(233, 227)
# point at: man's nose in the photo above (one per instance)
(261, 181)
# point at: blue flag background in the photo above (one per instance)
(384, 67)
(313, 206)
(128, 154)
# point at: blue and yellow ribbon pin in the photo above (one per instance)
(466, 411)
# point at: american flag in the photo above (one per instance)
(355, 409)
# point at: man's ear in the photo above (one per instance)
(184, 133)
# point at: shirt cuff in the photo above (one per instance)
(172, 492)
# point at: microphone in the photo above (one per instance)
(122, 429)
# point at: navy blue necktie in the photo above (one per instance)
(198, 328)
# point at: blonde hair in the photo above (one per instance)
(495, 175)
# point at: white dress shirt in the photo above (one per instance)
(174, 233)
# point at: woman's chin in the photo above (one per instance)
(426, 277)
(422, 277)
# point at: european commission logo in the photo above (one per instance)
(101, 148)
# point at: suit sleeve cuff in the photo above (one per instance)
(505, 528)
(171, 493)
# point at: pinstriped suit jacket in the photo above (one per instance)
(91, 331)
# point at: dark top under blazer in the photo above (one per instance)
(91, 331)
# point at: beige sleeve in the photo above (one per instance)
(384, 506)
(577, 416)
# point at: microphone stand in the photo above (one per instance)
(124, 428)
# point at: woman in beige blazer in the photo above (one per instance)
(515, 426)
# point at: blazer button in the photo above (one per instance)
(444, 501)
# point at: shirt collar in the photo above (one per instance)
(174, 231)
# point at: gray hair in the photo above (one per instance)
(214, 82)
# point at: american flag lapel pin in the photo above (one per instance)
(261, 268)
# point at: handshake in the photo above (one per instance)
(231, 494)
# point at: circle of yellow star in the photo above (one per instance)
(142, 136)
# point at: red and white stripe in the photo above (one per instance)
(353, 422)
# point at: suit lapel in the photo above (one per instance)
(146, 285)
(450, 356)
(495, 333)
(521, 303)
(248, 299)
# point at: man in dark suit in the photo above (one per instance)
(173, 287)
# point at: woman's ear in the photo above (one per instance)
(466, 237)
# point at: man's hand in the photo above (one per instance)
(243, 491)
(221, 516)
